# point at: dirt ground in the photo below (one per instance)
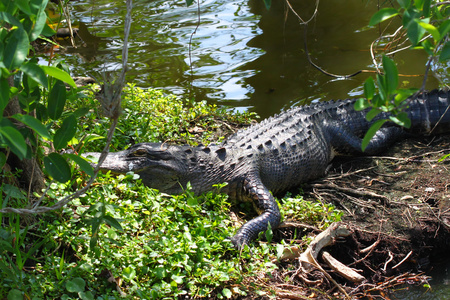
(397, 206)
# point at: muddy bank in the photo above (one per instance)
(397, 206)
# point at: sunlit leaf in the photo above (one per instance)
(56, 100)
(16, 49)
(361, 104)
(129, 273)
(371, 133)
(369, 88)
(414, 31)
(382, 15)
(14, 139)
(41, 18)
(227, 293)
(432, 30)
(57, 167)
(34, 124)
(401, 119)
(59, 74)
(391, 74)
(64, 134)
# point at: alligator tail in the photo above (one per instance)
(430, 112)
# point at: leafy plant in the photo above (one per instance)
(39, 90)
(427, 27)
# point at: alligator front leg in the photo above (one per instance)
(265, 205)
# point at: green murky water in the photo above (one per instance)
(242, 55)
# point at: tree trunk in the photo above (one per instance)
(31, 177)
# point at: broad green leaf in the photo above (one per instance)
(4, 94)
(372, 114)
(82, 163)
(75, 285)
(8, 18)
(59, 74)
(418, 3)
(35, 72)
(57, 167)
(404, 3)
(361, 104)
(86, 295)
(426, 8)
(24, 6)
(227, 293)
(64, 134)
(432, 30)
(189, 2)
(34, 124)
(444, 28)
(401, 119)
(414, 31)
(16, 49)
(48, 31)
(129, 273)
(56, 100)
(369, 88)
(428, 47)
(402, 95)
(41, 19)
(382, 15)
(113, 223)
(445, 53)
(382, 88)
(15, 294)
(14, 139)
(391, 75)
(371, 133)
(81, 112)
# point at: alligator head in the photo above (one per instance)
(159, 166)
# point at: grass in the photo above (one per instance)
(124, 240)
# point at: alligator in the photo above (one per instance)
(274, 155)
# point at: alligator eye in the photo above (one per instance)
(140, 152)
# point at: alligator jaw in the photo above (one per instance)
(116, 162)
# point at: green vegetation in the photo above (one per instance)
(149, 116)
(425, 26)
(121, 239)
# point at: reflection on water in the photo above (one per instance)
(241, 55)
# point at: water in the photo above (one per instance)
(241, 55)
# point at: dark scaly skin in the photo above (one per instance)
(272, 156)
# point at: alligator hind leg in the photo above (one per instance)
(267, 208)
(344, 141)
